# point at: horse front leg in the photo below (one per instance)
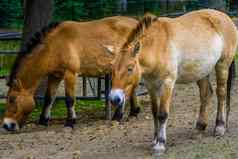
(52, 85)
(154, 107)
(70, 82)
(161, 118)
(134, 108)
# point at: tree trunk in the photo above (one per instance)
(37, 14)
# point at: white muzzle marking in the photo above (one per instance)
(117, 97)
(8, 122)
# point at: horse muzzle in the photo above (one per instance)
(117, 98)
(10, 124)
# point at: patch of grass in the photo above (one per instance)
(6, 61)
(10, 45)
(59, 108)
(4, 71)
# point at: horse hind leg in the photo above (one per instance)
(52, 85)
(222, 69)
(70, 82)
(205, 89)
(155, 108)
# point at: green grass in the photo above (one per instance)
(4, 71)
(59, 108)
(6, 61)
(10, 45)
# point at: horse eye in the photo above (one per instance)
(12, 99)
(130, 70)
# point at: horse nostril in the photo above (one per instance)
(116, 100)
(116, 97)
(12, 126)
(5, 126)
(9, 127)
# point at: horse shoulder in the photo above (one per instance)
(156, 54)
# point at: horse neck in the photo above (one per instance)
(33, 70)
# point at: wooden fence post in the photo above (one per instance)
(84, 87)
(108, 109)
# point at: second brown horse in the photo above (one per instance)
(62, 52)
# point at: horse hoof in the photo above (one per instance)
(70, 123)
(159, 148)
(201, 126)
(154, 142)
(220, 131)
(135, 111)
(44, 121)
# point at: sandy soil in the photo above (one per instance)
(95, 138)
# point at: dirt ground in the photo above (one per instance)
(95, 138)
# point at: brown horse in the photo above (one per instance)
(62, 52)
(185, 49)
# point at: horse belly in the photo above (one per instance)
(194, 70)
(195, 66)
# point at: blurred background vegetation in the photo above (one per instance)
(11, 11)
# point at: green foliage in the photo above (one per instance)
(83, 9)
(10, 13)
(68, 10)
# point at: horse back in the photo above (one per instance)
(206, 24)
(200, 40)
(79, 45)
(188, 47)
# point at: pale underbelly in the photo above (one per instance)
(199, 60)
(192, 70)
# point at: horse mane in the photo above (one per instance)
(143, 24)
(28, 47)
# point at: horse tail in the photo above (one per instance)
(230, 83)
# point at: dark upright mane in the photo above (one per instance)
(35, 40)
(143, 24)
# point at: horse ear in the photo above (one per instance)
(136, 49)
(16, 84)
(110, 49)
(12, 99)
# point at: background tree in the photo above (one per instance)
(121, 6)
(37, 14)
(233, 4)
(217, 4)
